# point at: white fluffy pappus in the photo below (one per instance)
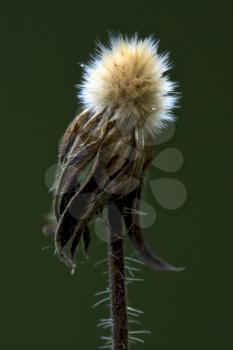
(127, 80)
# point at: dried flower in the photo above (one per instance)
(127, 99)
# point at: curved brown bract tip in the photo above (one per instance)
(86, 240)
(134, 231)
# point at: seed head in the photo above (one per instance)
(127, 79)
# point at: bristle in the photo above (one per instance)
(127, 81)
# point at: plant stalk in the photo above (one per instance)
(118, 293)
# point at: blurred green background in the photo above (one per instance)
(42, 305)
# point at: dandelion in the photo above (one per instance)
(127, 99)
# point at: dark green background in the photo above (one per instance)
(42, 306)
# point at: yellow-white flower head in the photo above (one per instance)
(127, 80)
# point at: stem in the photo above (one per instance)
(117, 280)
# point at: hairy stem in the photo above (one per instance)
(117, 280)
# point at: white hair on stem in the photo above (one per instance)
(128, 81)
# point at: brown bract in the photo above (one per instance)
(99, 165)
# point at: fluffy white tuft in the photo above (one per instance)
(127, 80)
